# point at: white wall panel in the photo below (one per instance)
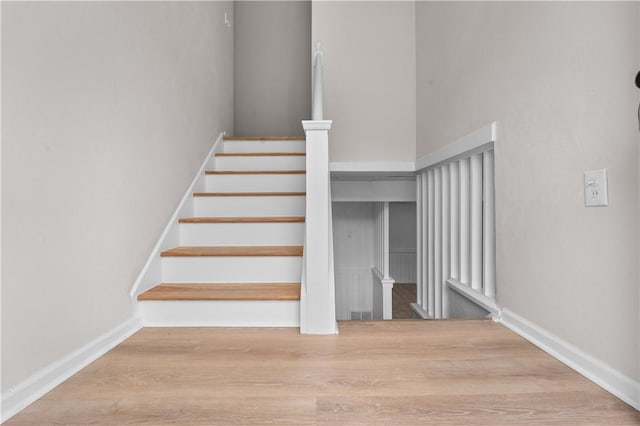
(403, 265)
(353, 239)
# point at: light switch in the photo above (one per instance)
(595, 188)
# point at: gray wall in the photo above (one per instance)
(558, 78)
(107, 110)
(272, 67)
(369, 78)
(402, 226)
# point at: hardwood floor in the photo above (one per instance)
(223, 291)
(233, 251)
(454, 372)
(403, 295)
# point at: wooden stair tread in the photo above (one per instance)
(223, 291)
(260, 154)
(203, 251)
(247, 194)
(284, 219)
(265, 138)
(255, 172)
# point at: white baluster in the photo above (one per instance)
(446, 220)
(419, 221)
(454, 184)
(430, 248)
(476, 222)
(437, 242)
(464, 223)
(489, 226)
(425, 243)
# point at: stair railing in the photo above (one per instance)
(455, 209)
(317, 298)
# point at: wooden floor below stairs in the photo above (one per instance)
(448, 372)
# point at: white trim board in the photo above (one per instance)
(42, 381)
(373, 190)
(593, 369)
(417, 309)
(151, 273)
(371, 166)
(476, 141)
(486, 303)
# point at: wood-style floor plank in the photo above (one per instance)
(255, 172)
(450, 372)
(233, 251)
(260, 154)
(223, 291)
(232, 219)
(265, 138)
(249, 194)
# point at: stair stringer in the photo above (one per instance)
(151, 273)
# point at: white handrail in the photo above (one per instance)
(318, 82)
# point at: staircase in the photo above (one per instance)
(239, 262)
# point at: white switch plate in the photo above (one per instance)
(595, 188)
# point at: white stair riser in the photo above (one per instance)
(223, 313)
(238, 234)
(233, 269)
(255, 183)
(250, 206)
(264, 146)
(284, 162)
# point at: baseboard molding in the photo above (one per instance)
(35, 386)
(593, 369)
(151, 273)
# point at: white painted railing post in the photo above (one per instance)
(437, 243)
(489, 226)
(382, 280)
(318, 309)
(476, 222)
(419, 269)
(431, 272)
(465, 223)
(385, 240)
(424, 261)
(446, 232)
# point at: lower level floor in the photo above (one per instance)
(449, 372)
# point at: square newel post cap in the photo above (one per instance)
(316, 124)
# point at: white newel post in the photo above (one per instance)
(318, 307)
(387, 281)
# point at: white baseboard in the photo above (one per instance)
(593, 369)
(35, 386)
